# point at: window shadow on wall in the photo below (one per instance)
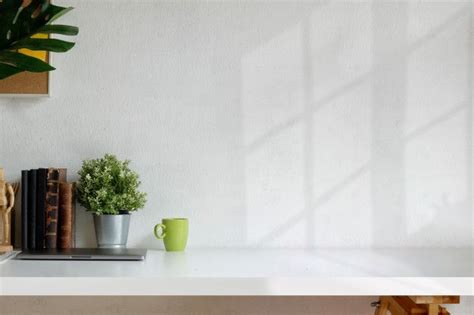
(366, 124)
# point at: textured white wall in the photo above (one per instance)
(287, 124)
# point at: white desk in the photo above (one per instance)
(251, 272)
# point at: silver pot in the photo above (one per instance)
(111, 230)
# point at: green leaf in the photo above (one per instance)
(55, 45)
(59, 29)
(9, 4)
(21, 19)
(108, 185)
(7, 71)
(57, 12)
(24, 62)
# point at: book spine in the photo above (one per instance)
(13, 227)
(24, 210)
(62, 174)
(32, 179)
(42, 174)
(52, 203)
(66, 215)
(73, 215)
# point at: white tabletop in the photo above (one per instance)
(251, 272)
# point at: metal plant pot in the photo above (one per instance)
(111, 230)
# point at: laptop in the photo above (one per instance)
(83, 254)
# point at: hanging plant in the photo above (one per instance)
(20, 21)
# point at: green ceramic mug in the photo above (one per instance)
(174, 233)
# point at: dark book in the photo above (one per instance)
(41, 180)
(13, 220)
(24, 209)
(66, 238)
(52, 203)
(31, 212)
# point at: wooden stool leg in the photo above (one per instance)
(383, 307)
(433, 309)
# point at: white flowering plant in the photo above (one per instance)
(108, 186)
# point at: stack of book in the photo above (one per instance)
(47, 209)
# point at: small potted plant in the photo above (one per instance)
(108, 188)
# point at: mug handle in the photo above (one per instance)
(163, 228)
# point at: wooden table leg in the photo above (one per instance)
(415, 305)
(383, 307)
(433, 309)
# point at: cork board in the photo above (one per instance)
(28, 83)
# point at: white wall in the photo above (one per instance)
(286, 124)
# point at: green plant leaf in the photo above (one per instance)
(24, 62)
(57, 12)
(108, 185)
(55, 45)
(9, 4)
(7, 70)
(59, 29)
(21, 19)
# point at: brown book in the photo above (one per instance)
(62, 175)
(66, 215)
(52, 203)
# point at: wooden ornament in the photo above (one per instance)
(7, 201)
